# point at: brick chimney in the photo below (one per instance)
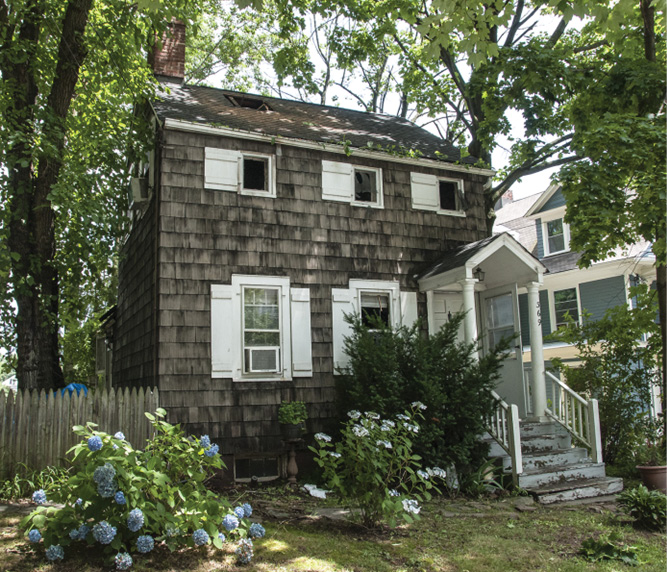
(168, 56)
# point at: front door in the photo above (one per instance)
(500, 319)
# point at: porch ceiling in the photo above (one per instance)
(502, 259)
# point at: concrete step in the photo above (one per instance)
(536, 478)
(577, 489)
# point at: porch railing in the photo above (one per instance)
(503, 426)
(578, 415)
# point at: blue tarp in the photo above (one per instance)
(72, 387)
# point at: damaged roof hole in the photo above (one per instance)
(248, 102)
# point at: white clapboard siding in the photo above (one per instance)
(36, 426)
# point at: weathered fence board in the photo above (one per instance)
(36, 427)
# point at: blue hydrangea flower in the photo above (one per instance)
(119, 497)
(107, 489)
(119, 435)
(256, 530)
(103, 532)
(244, 551)
(200, 536)
(74, 534)
(79, 501)
(39, 496)
(135, 520)
(222, 537)
(95, 443)
(239, 512)
(212, 451)
(34, 535)
(205, 441)
(247, 510)
(145, 543)
(84, 529)
(55, 552)
(230, 522)
(104, 473)
(123, 561)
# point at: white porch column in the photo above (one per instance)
(538, 384)
(470, 320)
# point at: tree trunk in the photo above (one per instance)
(31, 179)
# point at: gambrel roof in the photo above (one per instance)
(297, 120)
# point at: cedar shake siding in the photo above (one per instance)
(134, 344)
(206, 236)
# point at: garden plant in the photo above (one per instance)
(122, 500)
(372, 466)
(391, 368)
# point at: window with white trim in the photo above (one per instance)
(260, 329)
(566, 303)
(556, 235)
(239, 171)
(347, 183)
(439, 194)
(382, 299)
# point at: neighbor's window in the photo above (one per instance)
(255, 173)
(261, 330)
(566, 304)
(374, 307)
(557, 236)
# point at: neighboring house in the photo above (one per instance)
(537, 223)
(258, 223)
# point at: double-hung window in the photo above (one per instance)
(260, 329)
(239, 171)
(566, 303)
(439, 194)
(372, 300)
(556, 234)
(347, 183)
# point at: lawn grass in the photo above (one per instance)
(479, 536)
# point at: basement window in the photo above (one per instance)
(263, 468)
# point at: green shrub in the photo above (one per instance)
(609, 547)
(22, 484)
(120, 499)
(372, 466)
(648, 508)
(292, 412)
(391, 368)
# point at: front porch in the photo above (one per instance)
(533, 430)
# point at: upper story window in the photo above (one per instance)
(556, 235)
(566, 303)
(239, 171)
(348, 183)
(375, 306)
(440, 194)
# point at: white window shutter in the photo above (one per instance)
(408, 308)
(342, 303)
(424, 191)
(223, 331)
(302, 354)
(337, 181)
(221, 169)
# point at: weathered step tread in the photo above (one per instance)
(578, 490)
(562, 468)
(574, 484)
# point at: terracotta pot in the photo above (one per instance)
(655, 478)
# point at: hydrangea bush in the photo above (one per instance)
(373, 468)
(122, 500)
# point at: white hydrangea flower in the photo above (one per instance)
(387, 425)
(322, 437)
(385, 444)
(423, 474)
(418, 405)
(354, 414)
(360, 431)
(412, 428)
(402, 417)
(411, 506)
(372, 415)
(437, 472)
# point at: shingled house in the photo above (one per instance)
(258, 223)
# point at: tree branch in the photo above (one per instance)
(516, 22)
(558, 32)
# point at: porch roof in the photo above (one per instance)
(500, 257)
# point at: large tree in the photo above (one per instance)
(70, 73)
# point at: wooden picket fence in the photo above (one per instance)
(36, 426)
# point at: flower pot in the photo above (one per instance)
(655, 478)
(291, 432)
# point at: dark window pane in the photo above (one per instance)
(255, 174)
(565, 303)
(365, 186)
(448, 193)
(374, 307)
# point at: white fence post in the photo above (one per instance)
(595, 434)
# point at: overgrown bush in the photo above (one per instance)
(390, 368)
(648, 508)
(620, 371)
(122, 500)
(372, 466)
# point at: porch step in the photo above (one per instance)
(577, 489)
(554, 470)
